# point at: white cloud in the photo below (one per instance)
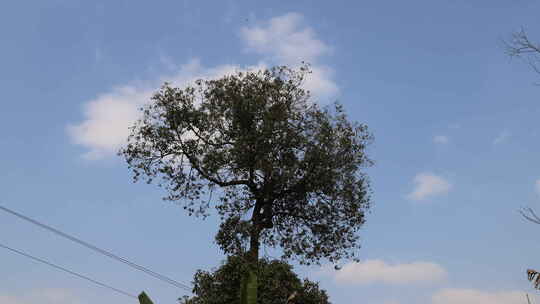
(537, 186)
(286, 40)
(107, 120)
(428, 185)
(378, 271)
(45, 296)
(320, 83)
(107, 117)
(503, 136)
(10, 300)
(440, 139)
(473, 296)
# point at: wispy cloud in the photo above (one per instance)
(379, 271)
(502, 137)
(440, 139)
(281, 40)
(45, 296)
(428, 185)
(98, 55)
(474, 296)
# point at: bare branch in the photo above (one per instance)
(520, 46)
(530, 215)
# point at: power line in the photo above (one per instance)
(67, 270)
(101, 251)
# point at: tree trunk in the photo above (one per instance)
(248, 290)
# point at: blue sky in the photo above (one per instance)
(455, 125)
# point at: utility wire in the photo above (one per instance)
(67, 270)
(101, 251)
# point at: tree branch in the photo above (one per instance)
(215, 180)
(520, 46)
(532, 217)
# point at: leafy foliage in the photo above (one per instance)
(534, 276)
(277, 283)
(270, 150)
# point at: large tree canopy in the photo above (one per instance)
(280, 170)
(277, 283)
(271, 150)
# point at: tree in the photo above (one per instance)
(521, 46)
(281, 171)
(530, 215)
(278, 284)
